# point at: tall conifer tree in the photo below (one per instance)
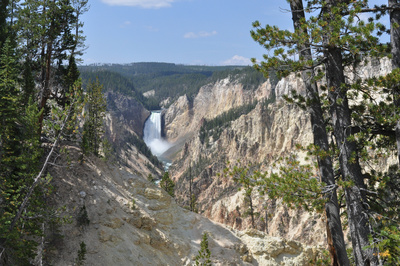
(337, 39)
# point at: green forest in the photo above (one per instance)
(214, 127)
(167, 80)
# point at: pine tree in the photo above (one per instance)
(45, 28)
(28, 85)
(248, 179)
(9, 98)
(204, 257)
(93, 128)
(167, 184)
(334, 229)
(20, 155)
(336, 39)
(42, 29)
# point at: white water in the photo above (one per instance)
(152, 134)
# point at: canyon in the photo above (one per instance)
(266, 133)
(134, 222)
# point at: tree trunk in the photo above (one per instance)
(348, 157)
(395, 45)
(334, 227)
(251, 212)
(45, 93)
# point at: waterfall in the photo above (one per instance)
(152, 127)
(152, 134)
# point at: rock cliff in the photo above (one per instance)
(260, 136)
(124, 121)
(128, 110)
(184, 117)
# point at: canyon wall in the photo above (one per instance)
(258, 137)
(184, 117)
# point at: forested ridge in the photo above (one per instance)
(113, 81)
(167, 80)
(145, 68)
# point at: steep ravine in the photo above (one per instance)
(258, 137)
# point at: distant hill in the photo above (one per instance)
(168, 80)
(113, 81)
(161, 69)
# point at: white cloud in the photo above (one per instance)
(151, 28)
(125, 24)
(140, 3)
(237, 60)
(201, 34)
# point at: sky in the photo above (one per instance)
(191, 32)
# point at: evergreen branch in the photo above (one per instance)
(375, 9)
(376, 131)
(37, 179)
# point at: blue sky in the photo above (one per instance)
(203, 32)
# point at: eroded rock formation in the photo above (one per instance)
(260, 136)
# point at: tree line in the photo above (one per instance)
(113, 81)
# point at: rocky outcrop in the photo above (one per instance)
(258, 137)
(127, 110)
(183, 118)
(133, 222)
(124, 124)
